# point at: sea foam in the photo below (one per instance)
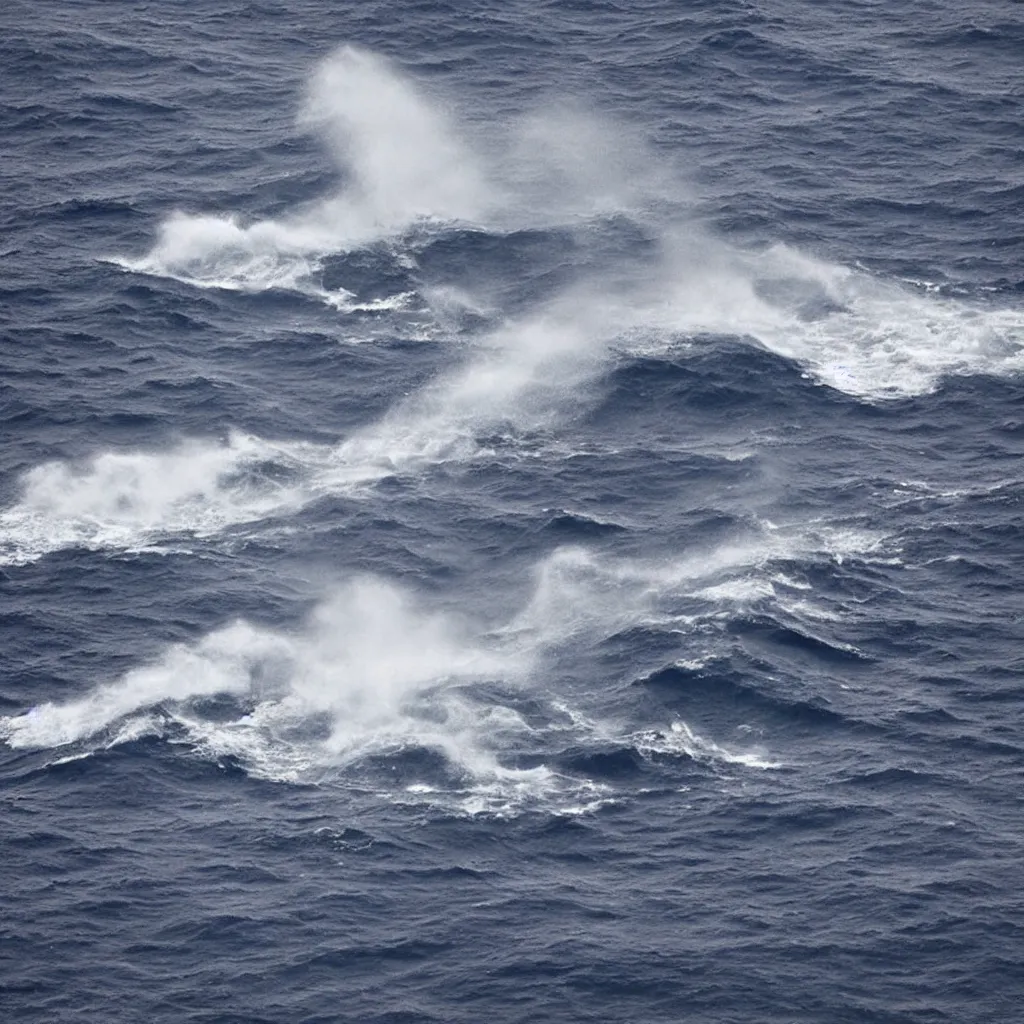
(401, 161)
(376, 672)
(130, 500)
(408, 158)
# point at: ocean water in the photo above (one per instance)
(512, 512)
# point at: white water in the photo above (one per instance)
(129, 500)
(862, 335)
(402, 160)
(878, 339)
(407, 157)
(375, 671)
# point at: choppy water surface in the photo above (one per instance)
(512, 512)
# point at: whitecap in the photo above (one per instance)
(680, 740)
(130, 500)
(403, 163)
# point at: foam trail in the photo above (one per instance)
(518, 378)
(130, 499)
(365, 655)
(372, 674)
(402, 162)
(221, 663)
(375, 673)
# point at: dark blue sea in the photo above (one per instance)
(512, 512)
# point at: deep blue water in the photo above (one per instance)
(512, 512)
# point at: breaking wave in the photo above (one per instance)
(379, 688)
(402, 162)
(129, 500)
(408, 159)
(377, 674)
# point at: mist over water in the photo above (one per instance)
(375, 672)
(408, 165)
(412, 175)
(400, 162)
(511, 514)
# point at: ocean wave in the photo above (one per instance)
(410, 160)
(523, 375)
(376, 674)
(130, 500)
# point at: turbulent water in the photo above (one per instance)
(512, 512)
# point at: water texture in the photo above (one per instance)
(512, 512)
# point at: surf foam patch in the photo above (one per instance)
(402, 162)
(129, 500)
(379, 691)
(863, 335)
